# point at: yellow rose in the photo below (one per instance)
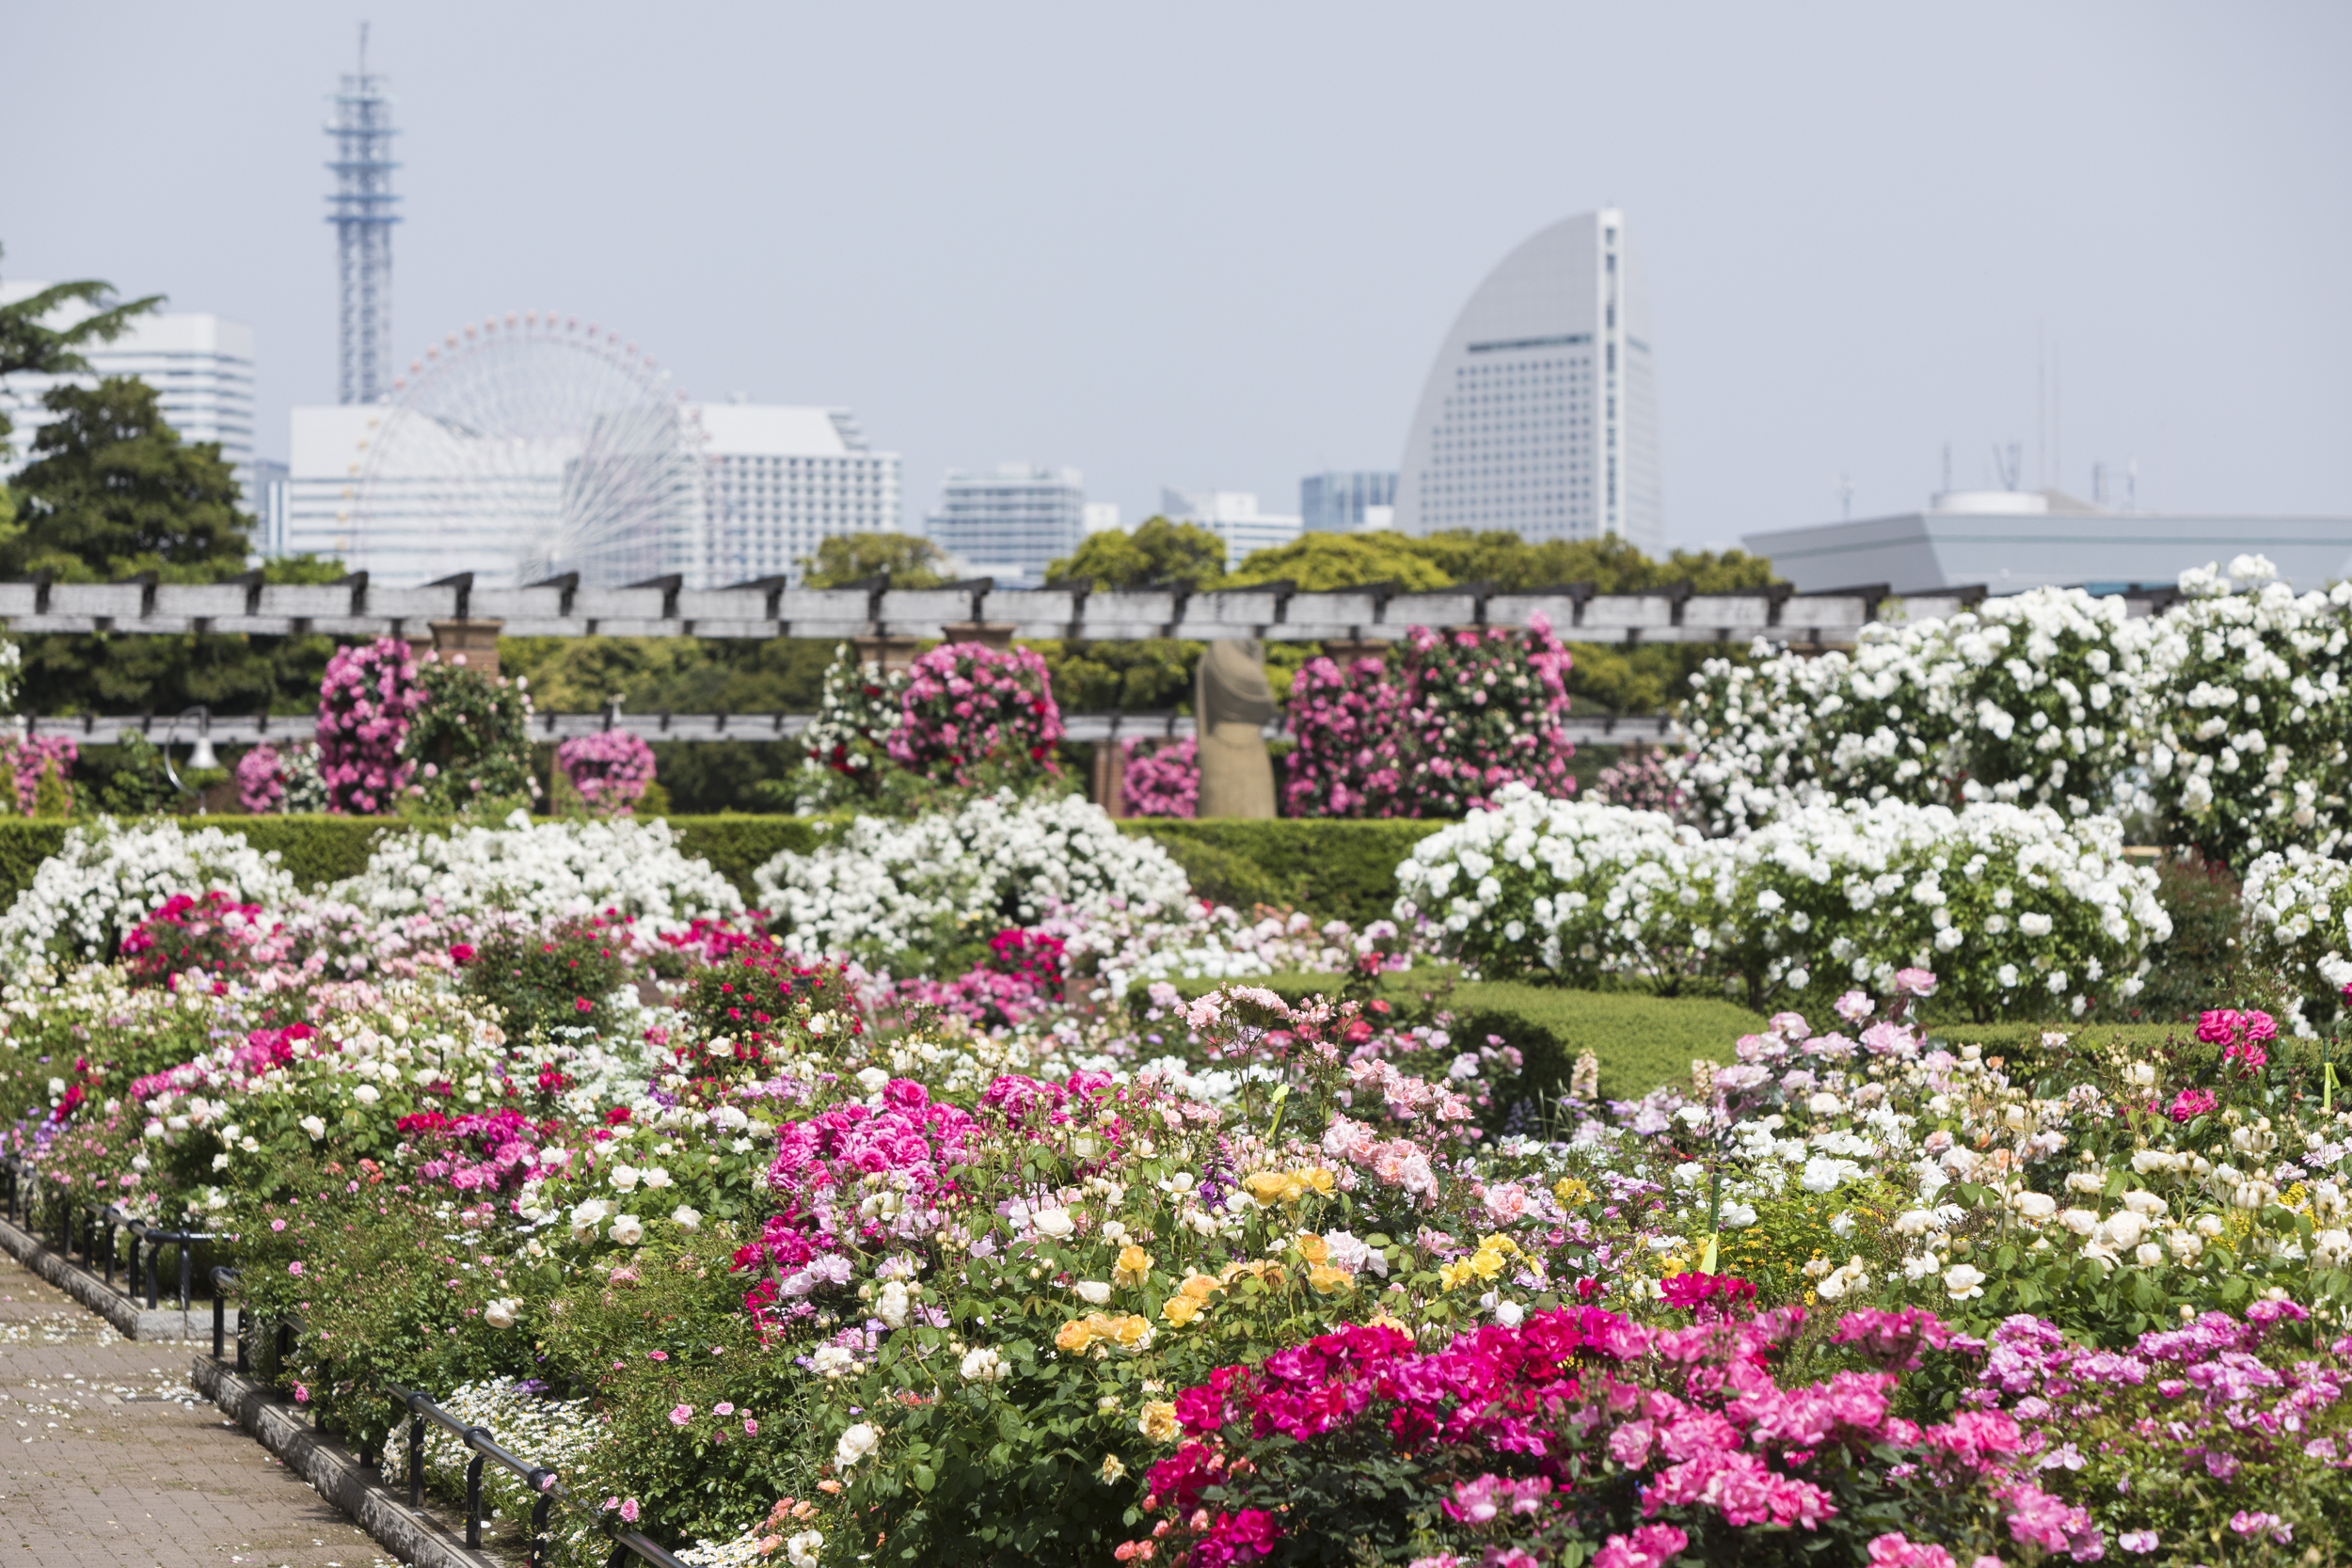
(1075, 1335)
(1199, 1287)
(1487, 1263)
(1312, 1247)
(1317, 1180)
(1134, 1266)
(1267, 1185)
(1181, 1310)
(1327, 1279)
(1451, 1274)
(1159, 1421)
(1132, 1331)
(1500, 1244)
(1571, 1193)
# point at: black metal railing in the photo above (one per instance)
(72, 1215)
(544, 1485)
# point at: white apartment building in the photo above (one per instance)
(751, 490)
(1234, 516)
(1540, 415)
(1011, 521)
(200, 364)
(782, 479)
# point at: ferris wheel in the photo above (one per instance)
(525, 446)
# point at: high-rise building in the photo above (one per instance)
(1540, 415)
(1234, 516)
(1358, 501)
(361, 212)
(1010, 522)
(785, 478)
(200, 364)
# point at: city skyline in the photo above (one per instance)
(1837, 308)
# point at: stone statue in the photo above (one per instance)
(1231, 706)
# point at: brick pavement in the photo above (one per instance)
(109, 1457)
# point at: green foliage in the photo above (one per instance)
(736, 845)
(847, 558)
(32, 343)
(1318, 562)
(669, 675)
(540, 983)
(138, 786)
(1159, 554)
(1334, 870)
(2203, 963)
(1151, 676)
(469, 743)
(52, 798)
(112, 491)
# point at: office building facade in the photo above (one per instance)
(1358, 501)
(1540, 413)
(1010, 521)
(1234, 516)
(784, 478)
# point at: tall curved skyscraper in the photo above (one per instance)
(1540, 415)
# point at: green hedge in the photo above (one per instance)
(1334, 870)
(323, 849)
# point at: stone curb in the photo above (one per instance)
(334, 1470)
(132, 1318)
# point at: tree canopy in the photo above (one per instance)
(112, 491)
(29, 345)
(1157, 554)
(847, 558)
(1318, 562)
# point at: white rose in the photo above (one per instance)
(856, 1443)
(800, 1550)
(1094, 1293)
(625, 1178)
(892, 1308)
(872, 1079)
(657, 1179)
(686, 1218)
(2034, 924)
(2149, 1255)
(1964, 1280)
(2035, 1206)
(1055, 1223)
(500, 1313)
(313, 1126)
(983, 1366)
(832, 1361)
(1510, 1314)
(367, 1094)
(627, 1229)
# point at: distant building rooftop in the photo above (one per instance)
(2011, 540)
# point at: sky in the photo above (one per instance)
(1217, 246)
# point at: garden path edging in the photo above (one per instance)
(334, 1470)
(130, 1317)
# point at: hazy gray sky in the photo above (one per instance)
(1216, 245)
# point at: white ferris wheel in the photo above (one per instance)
(525, 446)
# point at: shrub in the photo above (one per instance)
(1344, 722)
(260, 779)
(846, 752)
(563, 869)
(468, 744)
(1336, 869)
(39, 769)
(610, 769)
(966, 707)
(1162, 782)
(2299, 915)
(105, 878)
(367, 703)
(1642, 782)
(538, 980)
(214, 933)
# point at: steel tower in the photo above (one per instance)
(361, 212)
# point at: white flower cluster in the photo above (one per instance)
(1221, 943)
(546, 869)
(2247, 713)
(110, 875)
(2298, 909)
(2018, 910)
(886, 893)
(1571, 887)
(560, 1434)
(2029, 698)
(12, 668)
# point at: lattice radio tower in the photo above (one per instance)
(361, 212)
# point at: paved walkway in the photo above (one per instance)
(109, 1457)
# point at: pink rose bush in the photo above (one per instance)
(1468, 712)
(368, 701)
(967, 707)
(1163, 781)
(610, 769)
(30, 758)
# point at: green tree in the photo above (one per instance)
(112, 490)
(847, 558)
(1319, 562)
(30, 345)
(1157, 554)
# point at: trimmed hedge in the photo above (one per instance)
(323, 849)
(1343, 870)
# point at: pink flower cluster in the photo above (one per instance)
(2243, 1033)
(966, 705)
(1470, 711)
(1641, 783)
(28, 757)
(477, 1152)
(367, 702)
(1162, 782)
(260, 779)
(610, 769)
(1533, 1412)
